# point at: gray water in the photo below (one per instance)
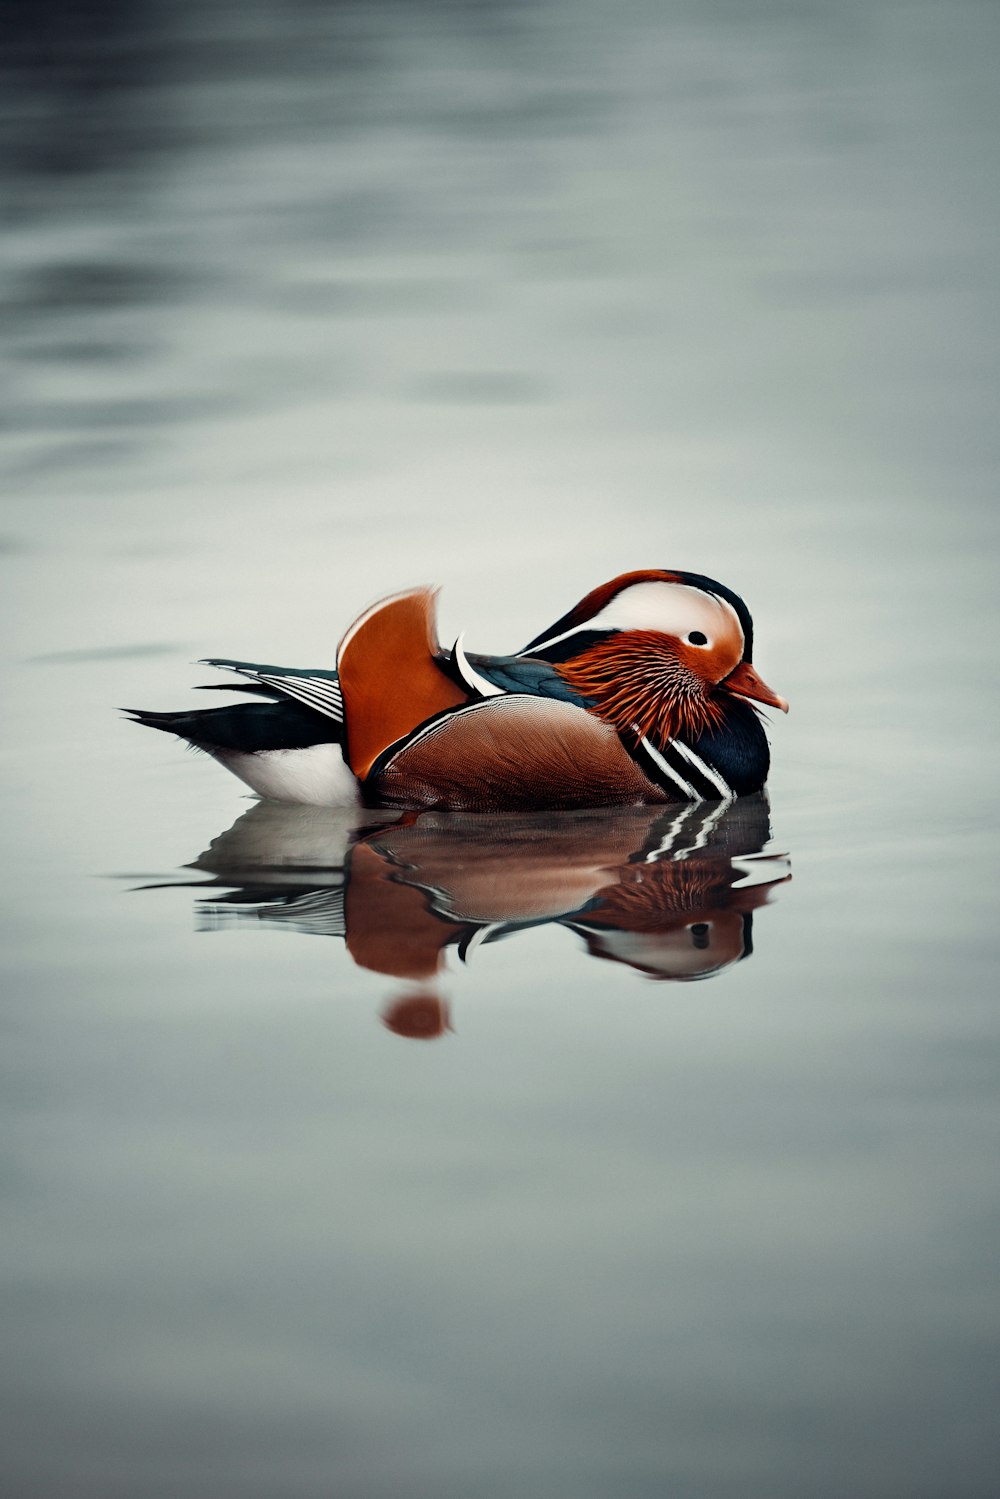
(358, 1161)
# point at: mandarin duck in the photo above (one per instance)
(644, 692)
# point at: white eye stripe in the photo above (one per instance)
(670, 608)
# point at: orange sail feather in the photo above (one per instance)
(390, 677)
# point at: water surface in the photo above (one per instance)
(573, 1156)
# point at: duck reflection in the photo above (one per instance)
(670, 894)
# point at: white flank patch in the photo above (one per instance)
(317, 776)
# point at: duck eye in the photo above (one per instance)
(697, 638)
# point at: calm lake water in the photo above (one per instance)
(353, 1159)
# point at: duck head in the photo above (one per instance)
(658, 652)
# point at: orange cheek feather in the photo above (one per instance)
(641, 679)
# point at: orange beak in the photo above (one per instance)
(745, 682)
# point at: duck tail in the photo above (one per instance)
(170, 723)
(245, 728)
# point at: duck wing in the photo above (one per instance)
(244, 728)
(510, 752)
(489, 676)
(399, 675)
(315, 687)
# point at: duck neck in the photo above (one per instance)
(727, 760)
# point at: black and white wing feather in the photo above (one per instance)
(315, 688)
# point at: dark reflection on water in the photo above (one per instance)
(670, 894)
